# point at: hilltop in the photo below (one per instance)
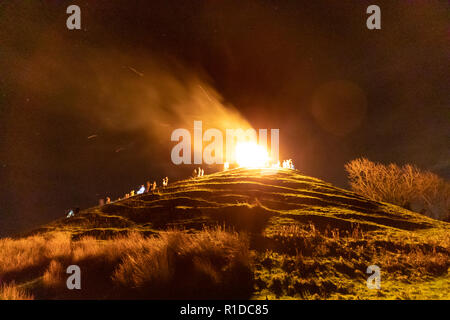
(305, 238)
(254, 200)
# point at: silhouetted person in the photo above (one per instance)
(141, 190)
(70, 214)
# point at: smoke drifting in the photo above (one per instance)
(128, 92)
(153, 96)
(76, 113)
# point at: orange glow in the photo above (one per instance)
(251, 155)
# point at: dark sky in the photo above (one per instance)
(335, 89)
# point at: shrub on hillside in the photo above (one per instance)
(406, 186)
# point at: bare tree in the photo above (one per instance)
(406, 186)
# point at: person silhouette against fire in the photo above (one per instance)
(141, 190)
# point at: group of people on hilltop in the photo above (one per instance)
(198, 172)
(288, 164)
(149, 187)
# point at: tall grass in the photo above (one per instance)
(11, 291)
(181, 264)
(32, 252)
(406, 186)
(174, 264)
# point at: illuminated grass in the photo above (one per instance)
(308, 239)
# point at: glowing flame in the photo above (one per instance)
(251, 155)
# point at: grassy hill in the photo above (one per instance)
(281, 235)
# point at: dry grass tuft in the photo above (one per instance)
(53, 276)
(212, 258)
(11, 291)
(172, 264)
(32, 253)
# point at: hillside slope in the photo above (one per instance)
(254, 200)
(307, 238)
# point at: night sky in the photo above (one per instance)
(88, 113)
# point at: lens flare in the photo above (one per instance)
(251, 155)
